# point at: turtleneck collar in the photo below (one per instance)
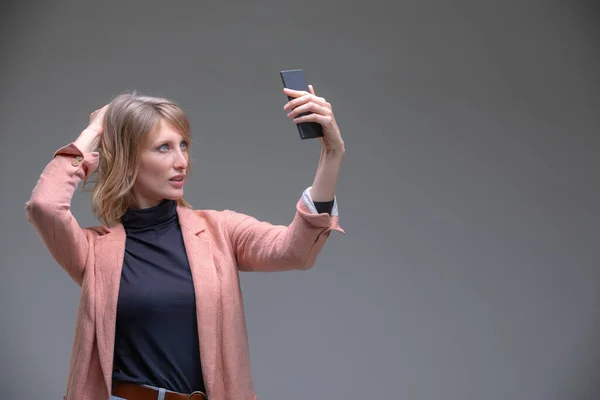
(138, 219)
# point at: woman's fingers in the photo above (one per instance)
(95, 113)
(323, 120)
(319, 109)
(309, 107)
(96, 118)
(294, 93)
(301, 97)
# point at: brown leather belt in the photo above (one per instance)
(131, 391)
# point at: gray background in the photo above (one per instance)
(469, 191)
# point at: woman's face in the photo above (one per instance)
(163, 166)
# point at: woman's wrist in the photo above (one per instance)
(337, 151)
(333, 154)
(87, 141)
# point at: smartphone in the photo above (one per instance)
(294, 79)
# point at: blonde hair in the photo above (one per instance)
(128, 121)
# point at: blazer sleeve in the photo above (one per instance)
(262, 246)
(49, 208)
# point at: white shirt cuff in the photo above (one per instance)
(308, 202)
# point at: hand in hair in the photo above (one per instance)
(89, 139)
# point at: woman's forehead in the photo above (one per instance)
(164, 131)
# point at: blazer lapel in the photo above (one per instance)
(207, 290)
(110, 251)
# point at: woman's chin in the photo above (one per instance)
(174, 195)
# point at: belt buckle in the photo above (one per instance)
(197, 392)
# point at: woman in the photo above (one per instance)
(161, 313)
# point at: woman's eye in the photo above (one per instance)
(167, 146)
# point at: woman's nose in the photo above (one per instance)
(181, 161)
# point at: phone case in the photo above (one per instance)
(295, 79)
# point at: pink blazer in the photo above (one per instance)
(218, 243)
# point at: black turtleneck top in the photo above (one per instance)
(156, 337)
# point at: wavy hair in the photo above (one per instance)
(128, 122)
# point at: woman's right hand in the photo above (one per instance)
(96, 120)
(89, 139)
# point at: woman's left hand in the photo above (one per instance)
(321, 113)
